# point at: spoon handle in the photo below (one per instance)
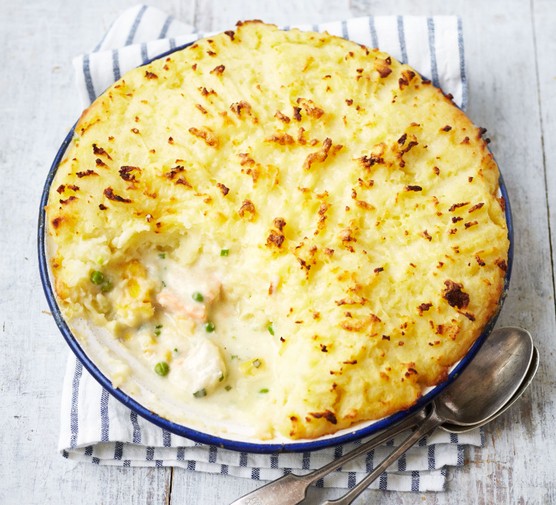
(426, 427)
(291, 489)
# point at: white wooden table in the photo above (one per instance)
(511, 64)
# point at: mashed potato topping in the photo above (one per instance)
(284, 233)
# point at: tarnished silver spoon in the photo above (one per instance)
(496, 377)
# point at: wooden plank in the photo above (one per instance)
(215, 15)
(544, 16)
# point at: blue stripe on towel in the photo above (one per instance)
(383, 481)
(372, 28)
(351, 480)
(74, 412)
(118, 450)
(306, 461)
(462, 73)
(104, 420)
(212, 454)
(402, 464)
(116, 65)
(165, 27)
(166, 438)
(401, 37)
(243, 459)
(431, 457)
(136, 428)
(256, 473)
(461, 455)
(369, 461)
(144, 53)
(415, 481)
(432, 49)
(99, 45)
(338, 451)
(135, 25)
(150, 453)
(88, 78)
(345, 33)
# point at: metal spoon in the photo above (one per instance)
(480, 394)
(497, 376)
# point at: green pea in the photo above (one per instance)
(97, 277)
(162, 368)
(200, 394)
(210, 327)
(198, 297)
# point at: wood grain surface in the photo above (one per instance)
(511, 64)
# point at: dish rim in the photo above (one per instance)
(221, 441)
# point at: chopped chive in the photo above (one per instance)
(270, 329)
(263, 390)
(234, 356)
(256, 363)
(198, 297)
(228, 387)
(221, 377)
(162, 255)
(97, 277)
(200, 394)
(210, 327)
(176, 349)
(162, 368)
(157, 332)
(224, 252)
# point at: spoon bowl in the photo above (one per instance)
(486, 385)
(531, 372)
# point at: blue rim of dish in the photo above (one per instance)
(240, 445)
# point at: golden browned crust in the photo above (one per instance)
(359, 203)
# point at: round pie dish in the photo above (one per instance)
(89, 343)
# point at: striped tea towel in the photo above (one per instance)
(97, 428)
